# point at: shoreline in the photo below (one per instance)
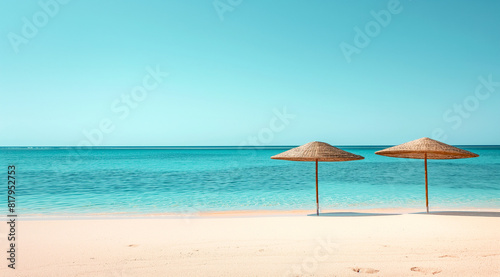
(254, 213)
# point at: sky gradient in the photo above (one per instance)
(168, 73)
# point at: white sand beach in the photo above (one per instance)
(260, 244)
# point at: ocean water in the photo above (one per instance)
(56, 181)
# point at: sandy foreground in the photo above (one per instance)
(259, 244)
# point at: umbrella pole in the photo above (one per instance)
(317, 197)
(426, 185)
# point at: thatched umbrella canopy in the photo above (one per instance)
(317, 152)
(426, 148)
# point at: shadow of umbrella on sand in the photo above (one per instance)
(426, 148)
(317, 152)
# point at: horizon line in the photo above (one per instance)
(220, 146)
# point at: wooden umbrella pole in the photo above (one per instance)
(426, 186)
(317, 195)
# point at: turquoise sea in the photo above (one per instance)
(62, 181)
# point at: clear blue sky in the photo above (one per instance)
(64, 68)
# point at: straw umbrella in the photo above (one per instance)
(317, 152)
(426, 148)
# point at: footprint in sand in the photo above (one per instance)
(426, 270)
(448, 256)
(364, 270)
